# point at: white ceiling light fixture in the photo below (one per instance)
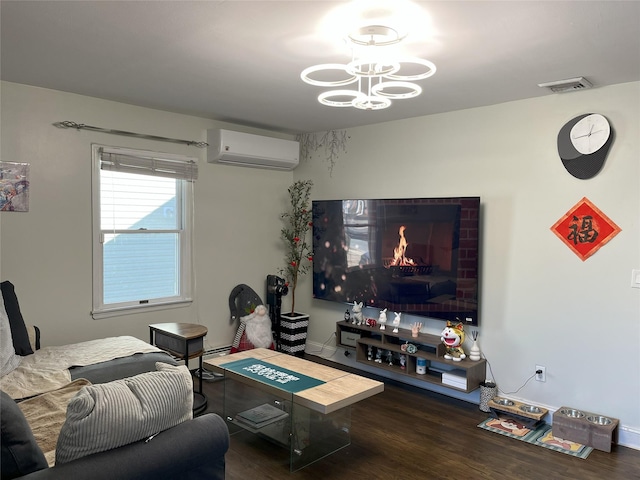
(379, 74)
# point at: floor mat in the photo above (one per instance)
(541, 436)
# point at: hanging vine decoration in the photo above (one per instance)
(333, 141)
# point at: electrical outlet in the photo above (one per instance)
(542, 376)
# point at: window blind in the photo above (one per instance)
(147, 165)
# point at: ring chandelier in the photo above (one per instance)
(379, 79)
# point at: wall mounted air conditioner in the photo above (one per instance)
(248, 150)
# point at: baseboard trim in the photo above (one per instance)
(629, 437)
(217, 352)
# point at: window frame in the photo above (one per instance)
(186, 192)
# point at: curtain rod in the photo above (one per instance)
(82, 126)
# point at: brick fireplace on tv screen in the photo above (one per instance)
(418, 256)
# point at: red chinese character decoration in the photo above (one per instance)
(584, 229)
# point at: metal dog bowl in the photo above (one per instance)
(570, 412)
(530, 409)
(503, 401)
(599, 420)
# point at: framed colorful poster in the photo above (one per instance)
(14, 187)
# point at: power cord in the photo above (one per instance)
(319, 352)
(516, 391)
(523, 385)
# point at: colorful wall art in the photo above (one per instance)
(14, 187)
(584, 229)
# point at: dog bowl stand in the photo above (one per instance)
(529, 415)
(589, 429)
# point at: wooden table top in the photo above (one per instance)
(180, 330)
(340, 389)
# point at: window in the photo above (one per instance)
(142, 222)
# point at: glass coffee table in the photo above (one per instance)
(300, 405)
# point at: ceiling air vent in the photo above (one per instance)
(569, 85)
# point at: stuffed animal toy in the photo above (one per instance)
(453, 337)
(254, 331)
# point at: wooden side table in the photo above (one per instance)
(184, 341)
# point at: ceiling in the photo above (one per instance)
(240, 61)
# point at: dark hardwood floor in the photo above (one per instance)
(408, 433)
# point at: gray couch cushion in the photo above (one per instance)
(19, 333)
(193, 450)
(9, 361)
(110, 415)
(20, 452)
(118, 368)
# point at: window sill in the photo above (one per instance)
(133, 309)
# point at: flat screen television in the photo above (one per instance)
(417, 256)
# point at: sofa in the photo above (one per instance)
(117, 421)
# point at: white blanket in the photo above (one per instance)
(48, 368)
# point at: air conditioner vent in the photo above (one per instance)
(569, 85)
(249, 150)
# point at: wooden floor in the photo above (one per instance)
(407, 433)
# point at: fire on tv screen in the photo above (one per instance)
(414, 256)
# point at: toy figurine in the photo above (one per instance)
(396, 322)
(369, 353)
(378, 356)
(390, 357)
(415, 329)
(453, 337)
(254, 331)
(382, 319)
(371, 322)
(357, 313)
(347, 315)
(403, 361)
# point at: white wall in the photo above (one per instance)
(46, 252)
(540, 304)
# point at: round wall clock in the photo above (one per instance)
(583, 144)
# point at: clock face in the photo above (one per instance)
(583, 144)
(590, 133)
